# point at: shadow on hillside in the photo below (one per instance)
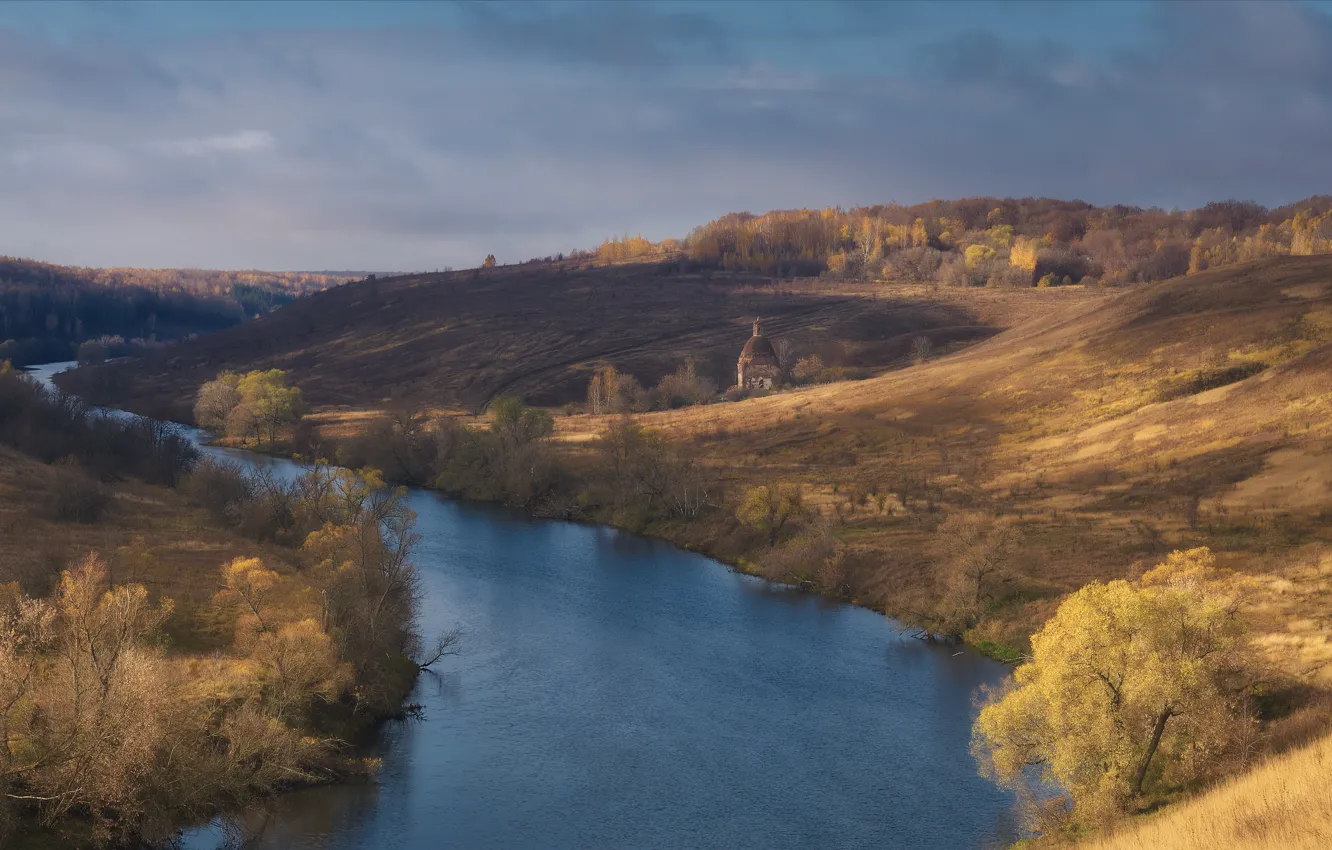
(459, 339)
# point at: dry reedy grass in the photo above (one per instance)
(1283, 804)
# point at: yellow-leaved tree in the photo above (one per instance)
(1130, 688)
(770, 507)
(256, 404)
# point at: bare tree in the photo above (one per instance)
(973, 552)
(446, 644)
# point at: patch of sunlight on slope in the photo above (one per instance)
(1284, 804)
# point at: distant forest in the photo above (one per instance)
(47, 311)
(995, 241)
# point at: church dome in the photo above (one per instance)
(758, 347)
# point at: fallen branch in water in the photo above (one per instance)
(445, 645)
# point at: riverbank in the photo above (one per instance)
(197, 638)
(715, 532)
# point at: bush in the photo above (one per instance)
(916, 265)
(814, 557)
(75, 497)
(51, 426)
(219, 487)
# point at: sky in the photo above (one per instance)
(411, 136)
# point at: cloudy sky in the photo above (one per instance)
(418, 135)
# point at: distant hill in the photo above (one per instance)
(458, 339)
(47, 310)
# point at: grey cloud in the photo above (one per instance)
(397, 149)
(92, 78)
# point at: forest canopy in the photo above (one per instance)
(47, 310)
(996, 241)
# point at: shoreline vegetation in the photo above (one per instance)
(260, 626)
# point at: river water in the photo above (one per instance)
(617, 692)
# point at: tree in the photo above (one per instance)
(270, 401)
(611, 391)
(648, 476)
(248, 580)
(972, 553)
(596, 395)
(1025, 253)
(253, 404)
(977, 255)
(92, 352)
(361, 556)
(215, 401)
(685, 387)
(807, 369)
(489, 262)
(1124, 673)
(769, 507)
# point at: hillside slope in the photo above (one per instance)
(455, 340)
(1284, 804)
(1114, 428)
(1190, 412)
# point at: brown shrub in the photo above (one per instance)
(74, 496)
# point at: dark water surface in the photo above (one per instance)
(616, 692)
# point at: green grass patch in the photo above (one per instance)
(999, 651)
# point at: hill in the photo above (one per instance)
(456, 340)
(47, 310)
(1190, 412)
(1112, 427)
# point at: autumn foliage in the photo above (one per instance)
(1131, 691)
(98, 714)
(995, 241)
(257, 404)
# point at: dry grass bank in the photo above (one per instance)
(1283, 804)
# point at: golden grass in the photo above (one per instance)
(1283, 804)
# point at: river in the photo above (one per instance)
(617, 692)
